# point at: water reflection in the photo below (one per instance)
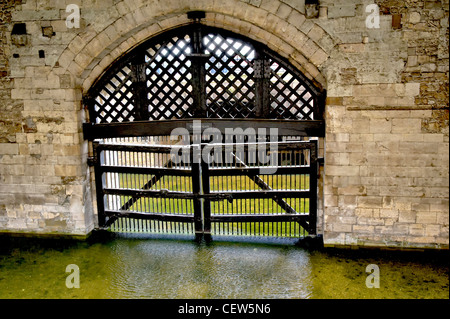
(218, 270)
(136, 267)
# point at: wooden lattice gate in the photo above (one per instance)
(141, 188)
(199, 74)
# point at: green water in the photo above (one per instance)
(147, 267)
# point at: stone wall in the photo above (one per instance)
(386, 164)
(44, 186)
(386, 146)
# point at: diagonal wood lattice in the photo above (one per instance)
(230, 88)
(289, 98)
(114, 102)
(198, 71)
(168, 79)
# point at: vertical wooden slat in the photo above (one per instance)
(196, 189)
(313, 189)
(198, 59)
(99, 184)
(206, 202)
(262, 84)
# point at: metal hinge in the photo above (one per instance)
(91, 161)
(217, 197)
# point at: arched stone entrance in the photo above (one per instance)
(201, 73)
(285, 30)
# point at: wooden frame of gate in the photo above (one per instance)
(127, 179)
(224, 81)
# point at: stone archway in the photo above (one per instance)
(282, 28)
(198, 72)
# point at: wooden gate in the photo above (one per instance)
(223, 80)
(142, 188)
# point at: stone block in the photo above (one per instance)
(17, 224)
(67, 170)
(370, 201)
(442, 218)
(9, 149)
(341, 11)
(380, 126)
(412, 89)
(316, 33)
(57, 223)
(283, 11)
(364, 229)
(342, 228)
(348, 204)
(342, 170)
(426, 217)
(307, 26)
(319, 57)
(432, 230)
(330, 201)
(406, 126)
(416, 230)
(364, 212)
(296, 18)
(309, 48)
(407, 216)
(371, 221)
(389, 213)
(414, 17)
(440, 205)
(400, 229)
(352, 190)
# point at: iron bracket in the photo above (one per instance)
(217, 197)
(91, 161)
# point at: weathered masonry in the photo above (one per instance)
(384, 177)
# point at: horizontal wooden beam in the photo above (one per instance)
(253, 171)
(213, 196)
(273, 194)
(233, 146)
(259, 218)
(148, 193)
(248, 171)
(231, 218)
(166, 149)
(144, 170)
(151, 216)
(165, 127)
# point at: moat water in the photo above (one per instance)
(132, 266)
